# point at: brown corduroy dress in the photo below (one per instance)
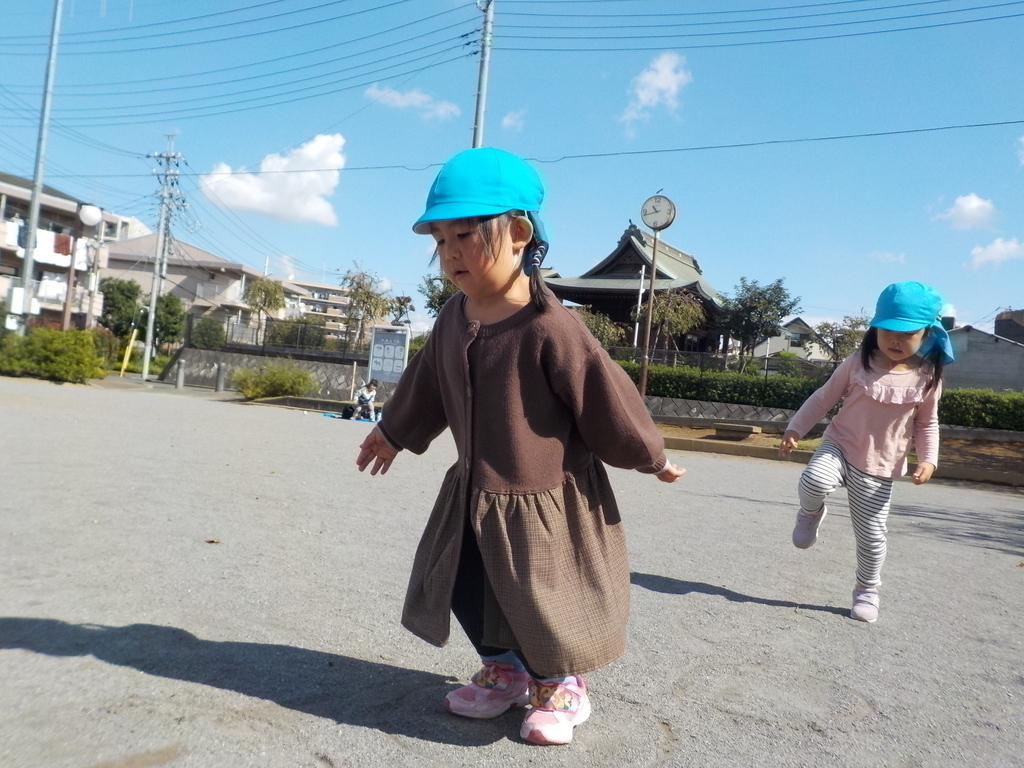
(535, 405)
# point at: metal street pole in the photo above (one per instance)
(487, 6)
(646, 361)
(37, 174)
(169, 179)
(639, 302)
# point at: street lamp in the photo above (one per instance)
(89, 216)
(658, 213)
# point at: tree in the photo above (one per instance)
(263, 296)
(605, 331)
(120, 304)
(437, 289)
(401, 309)
(842, 339)
(169, 323)
(675, 312)
(367, 299)
(756, 311)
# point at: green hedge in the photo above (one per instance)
(274, 380)
(724, 386)
(982, 408)
(959, 407)
(51, 354)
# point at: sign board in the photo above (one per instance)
(389, 352)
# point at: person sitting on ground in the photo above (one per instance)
(364, 400)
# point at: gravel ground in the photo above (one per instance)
(127, 640)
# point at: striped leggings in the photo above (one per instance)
(869, 505)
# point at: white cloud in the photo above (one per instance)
(658, 85)
(426, 105)
(386, 285)
(514, 121)
(970, 211)
(996, 252)
(420, 322)
(885, 256)
(283, 187)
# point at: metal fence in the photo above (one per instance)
(717, 361)
(287, 338)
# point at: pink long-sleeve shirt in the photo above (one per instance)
(883, 413)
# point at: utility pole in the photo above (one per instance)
(169, 196)
(487, 6)
(37, 174)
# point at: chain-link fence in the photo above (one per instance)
(276, 337)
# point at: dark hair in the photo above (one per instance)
(490, 229)
(869, 344)
(373, 383)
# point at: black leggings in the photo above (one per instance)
(468, 597)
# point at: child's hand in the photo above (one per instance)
(670, 473)
(923, 473)
(789, 441)
(375, 448)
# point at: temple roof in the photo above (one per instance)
(619, 272)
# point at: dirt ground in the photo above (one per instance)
(988, 454)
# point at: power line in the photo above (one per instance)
(220, 96)
(245, 36)
(637, 152)
(289, 56)
(182, 114)
(135, 27)
(231, 81)
(684, 47)
(842, 12)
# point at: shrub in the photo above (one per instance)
(724, 386)
(207, 334)
(982, 408)
(52, 354)
(108, 347)
(274, 380)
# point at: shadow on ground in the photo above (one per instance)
(999, 528)
(670, 586)
(391, 699)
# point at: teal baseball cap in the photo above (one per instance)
(907, 306)
(482, 182)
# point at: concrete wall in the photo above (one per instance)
(984, 361)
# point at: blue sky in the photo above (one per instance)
(837, 219)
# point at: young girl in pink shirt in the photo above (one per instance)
(890, 390)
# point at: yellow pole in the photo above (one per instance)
(128, 350)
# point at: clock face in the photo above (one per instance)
(658, 212)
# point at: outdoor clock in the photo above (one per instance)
(658, 212)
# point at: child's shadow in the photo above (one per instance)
(369, 694)
(670, 586)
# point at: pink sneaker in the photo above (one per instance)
(805, 532)
(865, 604)
(557, 709)
(493, 689)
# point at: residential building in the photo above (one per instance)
(60, 239)
(319, 300)
(796, 336)
(1010, 325)
(984, 361)
(208, 285)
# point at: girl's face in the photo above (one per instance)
(900, 345)
(467, 262)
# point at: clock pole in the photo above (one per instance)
(646, 361)
(658, 213)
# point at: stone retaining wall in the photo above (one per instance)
(333, 380)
